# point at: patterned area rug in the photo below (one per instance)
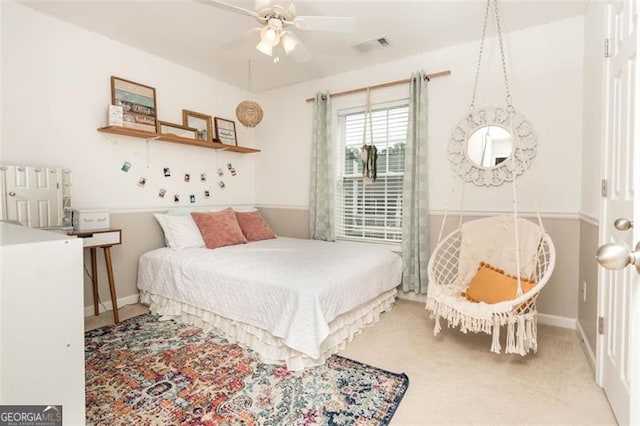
(148, 372)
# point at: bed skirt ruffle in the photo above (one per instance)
(272, 349)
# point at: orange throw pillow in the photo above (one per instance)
(491, 285)
(253, 226)
(219, 229)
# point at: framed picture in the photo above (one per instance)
(138, 103)
(177, 130)
(200, 122)
(225, 131)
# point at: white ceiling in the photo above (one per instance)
(206, 38)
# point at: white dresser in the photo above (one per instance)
(41, 320)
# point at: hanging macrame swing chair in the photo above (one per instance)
(488, 272)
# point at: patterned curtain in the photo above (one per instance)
(322, 191)
(415, 206)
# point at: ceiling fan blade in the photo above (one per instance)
(301, 54)
(325, 23)
(261, 4)
(242, 40)
(232, 8)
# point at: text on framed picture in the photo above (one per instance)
(138, 103)
(225, 131)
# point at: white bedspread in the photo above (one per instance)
(292, 288)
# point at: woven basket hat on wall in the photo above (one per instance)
(248, 112)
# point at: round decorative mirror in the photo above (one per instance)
(491, 145)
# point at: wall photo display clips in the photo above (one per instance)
(165, 174)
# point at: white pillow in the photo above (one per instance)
(179, 231)
(244, 209)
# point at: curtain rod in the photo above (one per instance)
(382, 85)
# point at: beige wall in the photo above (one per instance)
(140, 233)
(588, 309)
(287, 222)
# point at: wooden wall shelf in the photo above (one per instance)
(123, 131)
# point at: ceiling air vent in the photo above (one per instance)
(371, 45)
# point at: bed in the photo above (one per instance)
(291, 300)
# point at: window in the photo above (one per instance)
(372, 211)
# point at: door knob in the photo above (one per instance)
(617, 256)
(622, 224)
(12, 194)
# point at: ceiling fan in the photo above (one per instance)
(278, 21)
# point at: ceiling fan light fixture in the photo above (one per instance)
(264, 48)
(289, 41)
(270, 35)
(271, 32)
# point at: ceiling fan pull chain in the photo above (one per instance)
(250, 96)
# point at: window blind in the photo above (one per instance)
(372, 211)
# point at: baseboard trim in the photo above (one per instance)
(587, 348)
(108, 306)
(411, 296)
(557, 321)
(545, 319)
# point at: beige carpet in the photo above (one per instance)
(454, 379)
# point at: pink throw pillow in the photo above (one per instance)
(219, 229)
(254, 227)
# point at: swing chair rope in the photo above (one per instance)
(502, 56)
(516, 233)
(510, 109)
(475, 83)
(504, 62)
(446, 211)
(471, 108)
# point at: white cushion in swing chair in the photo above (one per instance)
(492, 240)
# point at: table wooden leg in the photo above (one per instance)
(94, 279)
(112, 286)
